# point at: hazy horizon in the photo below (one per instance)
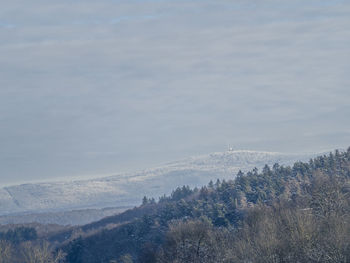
(83, 177)
(93, 88)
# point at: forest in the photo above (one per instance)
(298, 213)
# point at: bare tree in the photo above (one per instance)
(40, 253)
(6, 252)
(189, 241)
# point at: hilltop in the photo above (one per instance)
(126, 190)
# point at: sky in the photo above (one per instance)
(94, 88)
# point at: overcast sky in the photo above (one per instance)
(101, 87)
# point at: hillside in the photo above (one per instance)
(126, 190)
(292, 213)
(298, 213)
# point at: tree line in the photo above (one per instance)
(296, 213)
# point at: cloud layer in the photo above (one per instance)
(95, 87)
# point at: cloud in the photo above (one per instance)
(6, 25)
(153, 81)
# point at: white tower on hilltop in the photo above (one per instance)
(230, 148)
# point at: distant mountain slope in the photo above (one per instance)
(63, 218)
(128, 189)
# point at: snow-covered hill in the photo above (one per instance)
(128, 189)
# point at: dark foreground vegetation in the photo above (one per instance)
(281, 214)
